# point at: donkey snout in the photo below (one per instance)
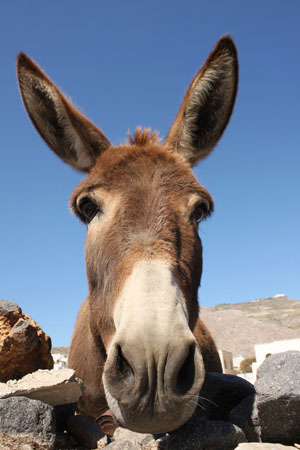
(154, 390)
(154, 369)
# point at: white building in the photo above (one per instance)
(60, 361)
(226, 361)
(262, 351)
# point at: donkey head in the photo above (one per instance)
(142, 205)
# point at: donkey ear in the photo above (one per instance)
(75, 139)
(207, 106)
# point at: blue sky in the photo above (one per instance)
(127, 64)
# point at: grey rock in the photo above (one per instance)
(85, 430)
(263, 446)
(221, 393)
(55, 387)
(123, 445)
(157, 444)
(279, 375)
(278, 398)
(205, 434)
(8, 306)
(151, 445)
(132, 436)
(28, 418)
(245, 416)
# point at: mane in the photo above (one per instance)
(143, 137)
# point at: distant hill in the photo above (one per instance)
(237, 327)
(62, 350)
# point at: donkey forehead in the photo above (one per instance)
(137, 170)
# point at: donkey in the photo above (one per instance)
(139, 345)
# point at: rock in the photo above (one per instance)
(55, 387)
(65, 441)
(245, 416)
(85, 430)
(127, 439)
(158, 444)
(103, 443)
(24, 347)
(270, 415)
(18, 443)
(123, 445)
(22, 417)
(136, 438)
(151, 445)
(263, 446)
(205, 434)
(278, 398)
(221, 393)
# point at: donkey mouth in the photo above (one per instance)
(154, 419)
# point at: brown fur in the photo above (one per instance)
(146, 196)
(143, 137)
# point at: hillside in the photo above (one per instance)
(237, 327)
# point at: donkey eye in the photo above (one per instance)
(87, 209)
(200, 212)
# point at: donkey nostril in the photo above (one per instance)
(186, 375)
(123, 367)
